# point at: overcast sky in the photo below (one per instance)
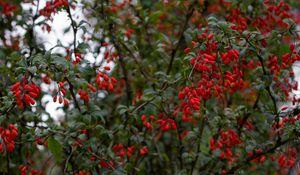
(60, 22)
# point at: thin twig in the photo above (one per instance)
(201, 129)
(68, 159)
(249, 159)
(71, 88)
(124, 71)
(268, 87)
(247, 115)
(181, 35)
(74, 28)
(7, 163)
(136, 61)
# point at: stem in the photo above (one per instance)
(73, 25)
(140, 68)
(270, 150)
(181, 34)
(268, 88)
(7, 163)
(71, 88)
(124, 71)
(247, 115)
(74, 28)
(198, 147)
(67, 161)
(178, 129)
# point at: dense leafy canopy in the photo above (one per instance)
(150, 87)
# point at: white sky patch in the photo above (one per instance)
(53, 108)
(59, 24)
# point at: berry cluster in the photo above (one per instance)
(84, 95)
(289, 159)
(166, 124)
(52, 6)
(285, 121)
(121, 151)
(106, 164)
(137, 96)
(273, 17)
(8, 136)
(24, 170)
(226, 140)
(104, 82)
(46, 79)
(144, 151)
(210, 81)
(61, 94)
(118, 6)
(92, 88)
(240, 22)
(25, 93)
(259, 159)
(7, 8)
(146, 122)
(230, 56)
(77, 58)
(27, 169)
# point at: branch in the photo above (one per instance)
(71, 88)
(200, 138)
(180, 146)
(247, 115)
(67, 161)
(124, 71)
(135, 109)
(73, 24)
(140, 68)
(7, 163)
(270, 150)
(181, 35)
(268, 88)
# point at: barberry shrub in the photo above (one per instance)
(150, 87)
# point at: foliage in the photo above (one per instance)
(173, 87)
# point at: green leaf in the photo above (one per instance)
(188, 36)
(82, 47)
(59, 60)
(122, 109)
(32, 69)
(38, 59)
(98, 115)
(154, 16)
(56, 148)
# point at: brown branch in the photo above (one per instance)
(180, 145)
(123, 69)
(140, 68)
(267, 151)
(203, 122)
(267, 88)
(67, 160)
(74, 28)
(247, 115)
(71, 88)
(7, 164)
(181, 35)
